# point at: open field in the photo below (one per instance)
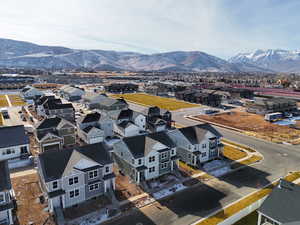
(16, 100)
(255, 125)
(233, 153)
(3, 101)
(27, 191)
(151, 100)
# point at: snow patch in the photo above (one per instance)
(169, 191)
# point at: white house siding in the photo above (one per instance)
(67, 201)
(16, 154)
(140, 121)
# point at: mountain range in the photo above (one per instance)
(19, 54)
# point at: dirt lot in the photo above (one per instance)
(256, 125)
(27, 193)
(125, 189)
(151, 100)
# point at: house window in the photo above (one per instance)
(93, 174)
(54, 185)
(189, 156)
(73, 180)
(1, 198)
(140, 161)
(203, 145)
(173, 152)
(24, 150)
(151, 159)
(107, 169)
(164, 155)
(76, 192)
(151, 169)
(164, 166)
(203, 154)
(93, 187)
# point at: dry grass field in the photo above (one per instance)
(3, 101)
(1, 120)
(16, 100)
(151, 100)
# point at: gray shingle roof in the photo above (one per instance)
(5, 183)
(54, 163)
(283, 203)
(141, 145)
(12, 136)
(195, 134)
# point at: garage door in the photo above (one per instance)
(51, 147)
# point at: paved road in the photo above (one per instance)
(193, 204)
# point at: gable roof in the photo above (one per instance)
(60, 158)
(91, 117)
(5, 183)
(195, 134)
(142, 145)
(12, 136)
(49, 123)
(283, 203)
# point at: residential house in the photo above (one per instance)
(94, 127)
(75, 175)
(197, 144)
(30, 92)
(146, 157)
(157, 120)
(39, 108)
(71, 93)
(281, 207)
(54, 107)
(6, 195)
(128, 122)
(14, 143)
(103, 102)
(54, 133)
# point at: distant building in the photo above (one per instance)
(271, 105)
(103, 102)
(205, 97)
(6, 195)
(71, 93)
(281, 207)
(73, 176)
(30, 92)
(121, 88)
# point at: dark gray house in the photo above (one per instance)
(55, 133)
(146, 157)
(75, 175)
(281, 207)
(6, 195)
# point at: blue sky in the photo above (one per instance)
(219, 27)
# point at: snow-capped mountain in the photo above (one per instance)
(276, 60)
(28, 55)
